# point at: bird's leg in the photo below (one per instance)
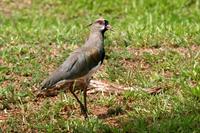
(83, 109)
(85, 98)
(85, 93)
(81, 105)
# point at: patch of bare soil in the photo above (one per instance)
(1, 61)
(185, 51)
(6, 113)
(137, 52)
(7, 7)
(103, 112)
(138, 62)
(112, 121)
(99, 111)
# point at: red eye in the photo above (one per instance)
(101, 22)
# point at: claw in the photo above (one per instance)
(84, 111)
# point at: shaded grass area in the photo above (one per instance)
(155, 44)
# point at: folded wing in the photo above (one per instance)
(77, 65)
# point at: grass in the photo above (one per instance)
(155, 44)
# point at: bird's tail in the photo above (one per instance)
(45, 84)
(49, 83)
(46, 90)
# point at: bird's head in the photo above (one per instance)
(101, 25)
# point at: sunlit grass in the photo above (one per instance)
(154, 44)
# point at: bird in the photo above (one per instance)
(82, 63)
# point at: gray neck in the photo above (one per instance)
(96, 39)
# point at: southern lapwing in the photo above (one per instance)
(82, 63)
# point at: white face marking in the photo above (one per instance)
(103, 27)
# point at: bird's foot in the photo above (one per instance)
(85, 115)
(84, 112)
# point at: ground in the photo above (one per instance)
(154, 50)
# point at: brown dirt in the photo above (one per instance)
(102, 113)
(112, 121)
(8, 7)
(99, 111)
(138, 62)
(185, 51)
